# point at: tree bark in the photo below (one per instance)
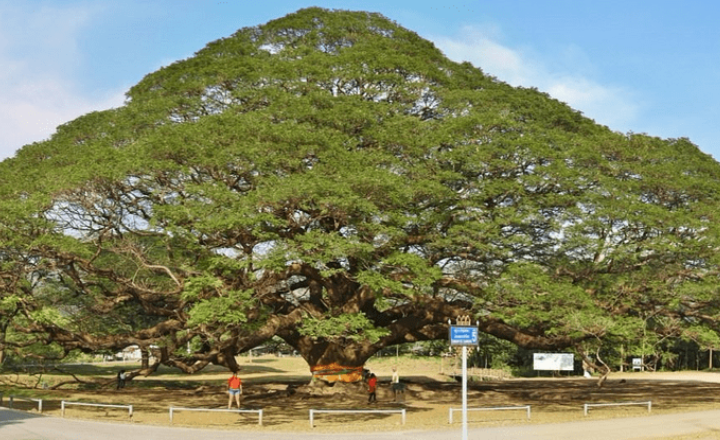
(332, 360)
(3, 333)
(145, 358)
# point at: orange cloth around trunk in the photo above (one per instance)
(337, 373)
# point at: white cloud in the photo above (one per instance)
(606, 104)
(39, 55)
(32, 110)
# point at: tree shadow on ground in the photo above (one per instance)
(14, 416)
(574, 392)
(286, 402)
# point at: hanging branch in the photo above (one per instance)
(76, 380)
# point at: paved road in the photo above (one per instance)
(16, 425)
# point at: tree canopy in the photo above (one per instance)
(333, 179)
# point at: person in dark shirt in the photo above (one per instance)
(121, 376)
(397, 386)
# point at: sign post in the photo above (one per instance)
(464, 335)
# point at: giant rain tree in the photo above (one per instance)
(332, 179)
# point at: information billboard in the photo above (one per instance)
(554, 361)
(464, 335)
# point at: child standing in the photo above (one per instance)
(372, 387)
(234, 389)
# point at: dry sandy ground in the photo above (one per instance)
(427, 403)
(281, 391)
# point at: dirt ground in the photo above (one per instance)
(279, 386)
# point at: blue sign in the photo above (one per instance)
(464, 335)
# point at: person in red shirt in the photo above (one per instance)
(372, 386)
(234, 389)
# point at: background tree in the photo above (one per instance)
(332, 179)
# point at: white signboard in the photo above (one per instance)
(554, 361)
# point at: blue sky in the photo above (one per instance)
(636, 66)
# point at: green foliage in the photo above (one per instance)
(198, 287)
(223, 310)
(352, 327)
(9, 304)
(49, 315)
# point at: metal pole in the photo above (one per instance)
(464, 393)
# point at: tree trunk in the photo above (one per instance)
(3, 333)
(145, 358)
(333, 361)
(227, 358)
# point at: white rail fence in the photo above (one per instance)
(587, 406)
(357, 411)
(63, 404)
(402, 412)
(258, 411)
(495, 408)
(12, 398)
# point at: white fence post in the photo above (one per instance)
(101, 405)
(379, 411)
(588, 405)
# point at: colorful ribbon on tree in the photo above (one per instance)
(334, 373)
